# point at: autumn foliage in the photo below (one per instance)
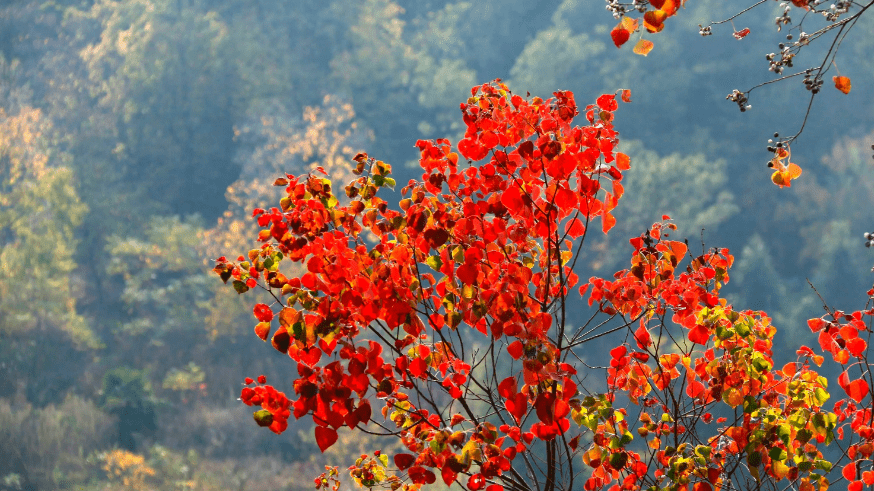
(452, 323)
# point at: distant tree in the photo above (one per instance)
(39, 213)
(448, 324)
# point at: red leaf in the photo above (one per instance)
(517, 406)
(694, 389)
(857, 346)
(512, 198)
(544, 405)
(565, 199)
(325, 437)
(620, 36)
(849, 471)
(448, 475)
(420, 475)
(607, 102)
(857, 390)
(363, 412)
(618, 352)
(476, 482)
(515, 349)
(467, 273)
(404, 460)
(742, 33)
(641, 335)
(507, 387)
(607, 222)
(309, 356)
(263, 313)
(575, 228)
(436, 237)
(854, 486)
(699, 334)
(815, 325)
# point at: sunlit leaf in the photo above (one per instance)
(325, 437)
(842, 83)
(741, 34)
(620, 36)
(643, 47)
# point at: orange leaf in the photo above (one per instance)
(843, 84)
(628, 24)
(643, 47)
(262, 329)
(626, 97)
(654, 20)
(623, 162)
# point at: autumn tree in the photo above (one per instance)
(451, 324)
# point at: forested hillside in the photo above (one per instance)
(136, 136)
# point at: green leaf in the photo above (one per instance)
(821, 396)
(784, 432)
(240, 286)
(434, 262)
(778, 453)
(263, 417)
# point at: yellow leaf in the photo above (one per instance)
(643, 47)
(629, 24)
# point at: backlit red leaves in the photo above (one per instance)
(849, 471)
(325, 437)
(620, 36)
(623, 30)
(857, 389)
(421, 475)
(575, 228)
(843, 84)
(608, 102)
(404, 460)
(263, 313)
(516, 349)
(517, 406)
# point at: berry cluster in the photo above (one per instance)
(620, 9)
(740, 98)
(781, 60)
(705, 30)
(812, 84)
(773, 147)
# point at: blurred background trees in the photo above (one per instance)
(136, 136)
